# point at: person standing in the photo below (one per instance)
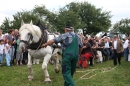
(19, 55)
(107, 47)
(1, 51)
(7, 51)
(118, 49)
(125, 46)
(71, 48)
(12, 38)
(16, 34)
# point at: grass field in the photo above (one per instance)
(105, 74)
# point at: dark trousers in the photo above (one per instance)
(117, 56)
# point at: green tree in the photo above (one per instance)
(123, 26)
(79, 14)
(83, 15)
(48, 18)
(6, 25)
(26, 16)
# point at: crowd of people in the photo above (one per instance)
(104, 48)
(9, 49)
(99, 48)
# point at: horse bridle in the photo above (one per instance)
(27, 42)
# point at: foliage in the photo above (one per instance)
(79, 14)
(26, 16)
(84, 15)
(17, 75)
(6, 25)
(122, 26)
(47, 17)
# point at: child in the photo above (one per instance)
(1, 51)
(19, 55)
(7, 50)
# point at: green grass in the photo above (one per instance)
(17, 75)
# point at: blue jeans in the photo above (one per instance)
(108, 51)
(12, 49)
(1, 58)
(8, 58)
(126, 52)
(111, 54)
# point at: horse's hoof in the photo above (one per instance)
(57, 71)
(47, 82)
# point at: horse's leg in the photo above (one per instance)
(56, 62)
(44, 67)
(30, 71)
(34, 60)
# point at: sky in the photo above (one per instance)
(120, 9)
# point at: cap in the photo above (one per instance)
(69, 27)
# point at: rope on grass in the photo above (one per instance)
(103, 70)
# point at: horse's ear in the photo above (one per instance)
(31, 22)
(22, 23)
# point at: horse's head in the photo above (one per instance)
(28, 35)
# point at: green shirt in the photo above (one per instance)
(18, 42)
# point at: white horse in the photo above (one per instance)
(31, 34)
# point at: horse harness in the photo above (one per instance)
(27, 42)
(36, 46)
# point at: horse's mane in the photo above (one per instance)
(35, 30)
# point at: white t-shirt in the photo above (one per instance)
(125, 45)
(115, 44)
(6, 50)
(1, 37)
(2, 49)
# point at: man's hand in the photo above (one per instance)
(48, 43)
(84, 47)
(44, 45)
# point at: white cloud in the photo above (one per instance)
(119, 8)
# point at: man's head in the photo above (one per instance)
(115, 37)
(92, 37)
(11, 31)
(85, 40)
(69, 28)
(16, 31)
